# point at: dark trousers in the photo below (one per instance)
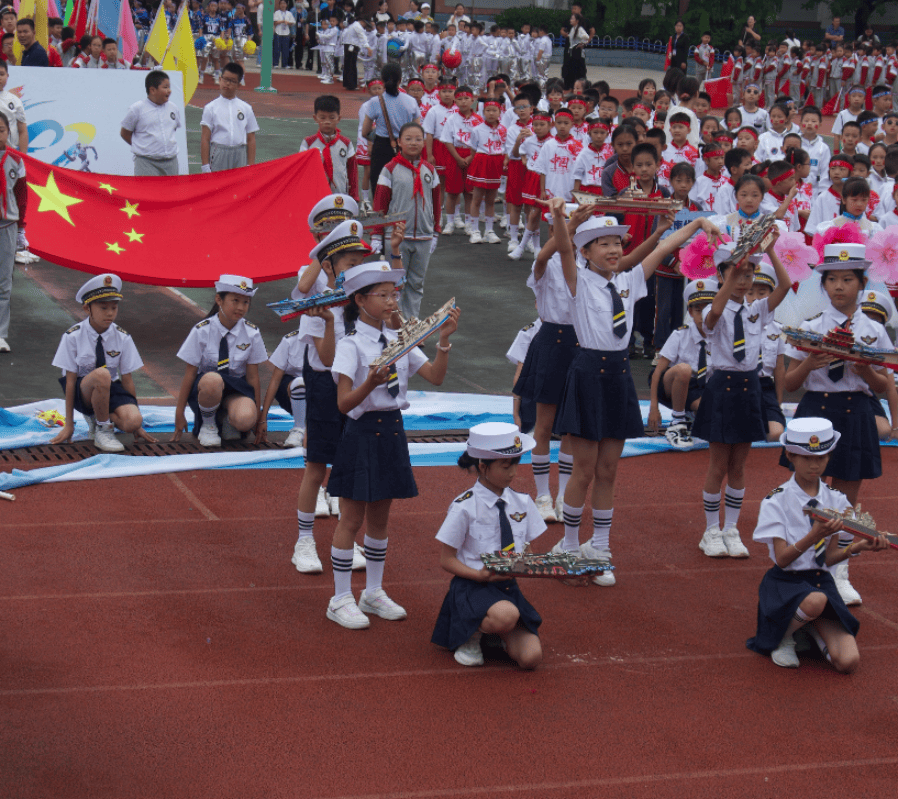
(313, 54)
(350, 67)
(669, 305)
(644, 313)
(381, 154)
(281, 51)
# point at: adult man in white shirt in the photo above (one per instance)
(228, 137)
(355, 38)
(149, 128)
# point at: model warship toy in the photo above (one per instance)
(841, 343)
(290, 309)
(560, 566)
(365, 220)
(632, 200)
(854, 521)
(412, 333)
(756, 236)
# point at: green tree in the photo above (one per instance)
(859, 11)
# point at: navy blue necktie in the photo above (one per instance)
(739, 336)
(836, 370)
(506, 539)
(619, 315)
(393, 379)
(101, 355)
(702, 374)
(820, 546)
(224, 358)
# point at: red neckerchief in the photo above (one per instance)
(621, 178)
(326, 154)
(547, 136)
(447, 106)
(5, 192)
(565, 139)
(522, 124)
(418, 187)
(730, 181)
(778, 197)
(835, 194)
(596, 149)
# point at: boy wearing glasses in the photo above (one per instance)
(228, 138)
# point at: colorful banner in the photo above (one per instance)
(177, 231)
(75, 116)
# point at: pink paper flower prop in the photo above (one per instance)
(697, 259)
(882, 252)
(798, 257)
(849, 233)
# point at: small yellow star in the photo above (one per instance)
(133, 235)
(114, 247)
(52, 199)
(108, 187)
(130, 209)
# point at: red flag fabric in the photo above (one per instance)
(177, 231)
(830, 107)
(668, 54)
(78, 20)
(727, 69)
(718, 88)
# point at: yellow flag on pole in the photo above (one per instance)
(157, 41)
(181, 54)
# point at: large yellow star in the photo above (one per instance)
(108, 187)
(114, 247)
(52, 199)
(130, 209)
(133, 235)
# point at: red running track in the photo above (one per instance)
(155, 641)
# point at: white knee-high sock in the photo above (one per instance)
(541, 473)
(572, 517)
(565, 467)
(298, 401)
(375, 555)
(601, 527)
(712, 509)
(341, 561)
(732, 502)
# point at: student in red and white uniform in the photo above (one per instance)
(580, 129)
(704, 192)
(92, 58)
(485, 172)
(557, 158)
(529, 150)
(519, 131)
(375, 88)
(337, 152)
(434, 122)
(827, 204)
(784, 193)
(458, 131)
(679, 150)
(592, 158)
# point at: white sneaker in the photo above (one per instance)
(447, 228)
(533, 247)
(846, 590)
(358, 558)
(21, 241)
(378, 603)
(733, 543)
(544, 506)
(209, 437)
(490, 237)
(502, 219)
(4, 345)
(678, 437)
(295, 437)
(470, 653)
(513, 245)
(105, 440)
(589, 551)
(91, 424)
(322, 506)
(784, 655)
(559, 549)
(459, 223)
(229, 432)
(476, 237)
(23, 257)
(346, 613)
(517, 253)
(305, 556)
(327, 82)
(559, 507)
(712, 543)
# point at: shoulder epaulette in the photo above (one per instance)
(774, 493)
(837, 490)
(73, 328)
(683, 327)
(463, 497)
(202, 324)
(528, 327)
(121, 330)
(291, 335)
(815, 316)
(250, 324)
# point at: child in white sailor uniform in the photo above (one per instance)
(730, 416)
(222, 353)
(97, 357)
(599, 408)
(799, 591)
(490, 517)
(524, 409)
(841, 391)
(879, 307)
(372, 465)
(772, 367)
(679, 378)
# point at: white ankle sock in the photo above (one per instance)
(208, 415)
(306, 522)
(488, 224)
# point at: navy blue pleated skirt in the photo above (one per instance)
(527, 412)
(780, 594)
(730, 411)
(599, 399)
(693, 392)
(324, 422)
(856, 456)
(773, 411)
(372, 461)
(878, 410)
(282, 395)
(467, 604)
(232, 385)
(117, 396)
(546, 366)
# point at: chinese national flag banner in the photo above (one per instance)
(177, 231)
(668, 54)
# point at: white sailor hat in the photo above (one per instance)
(569, 208)
(345, 237)
(725, 251)
(333, 208)
(101, 287)
(235, 284)
(700, 291)
(878, 303)
(369, 274)
(810, 436)
(494, 440)
(765, 274)
(843, 256)
(596, 227)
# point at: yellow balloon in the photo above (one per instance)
(249, 48)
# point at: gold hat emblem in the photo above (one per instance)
(385, 268)
(700, 285)
(871, 296)
(354, 229)
(517, 442)
(338, 202)
(843, 256)
(107, 281)
(243, 285)
(813, 442)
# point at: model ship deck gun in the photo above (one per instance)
(854, 521)
(563, 566)
(840, 343)
(632, 200)
(329, 298)
(412, 333)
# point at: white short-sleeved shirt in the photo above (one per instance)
(865, 330)
(289, 355)
(435, 119)
(772, 347)
(553, 300)
(472, 524)
(314, 327)
(153, 127)
(757, 119)
(824, 208)
(683, 345)
(458, 131)
(356, 352)
(517, 352)
(819, 152)
(782, 516)
(841, 118)
(589, 165)
(556, 161)
(245, 346)
(514, 129)
(15, 112)
(755, 319)
(706, 191)
(489, 141)
(229, 121)
(770, 145)
(725, 202)
(593, 307)
(77, 351)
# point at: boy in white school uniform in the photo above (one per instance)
(149, 128)
(228, 136)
